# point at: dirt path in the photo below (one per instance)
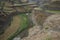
(50, 33)
(12, 29)
(35, 34)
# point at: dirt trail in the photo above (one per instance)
(12, 29)
(50, 33)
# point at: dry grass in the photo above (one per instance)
(14, 26)
(39, 17)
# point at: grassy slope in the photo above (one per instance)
(50, 11)
(23, 25)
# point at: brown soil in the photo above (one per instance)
(38, 17)
(52, 22)
(12, 29)
(35, 34)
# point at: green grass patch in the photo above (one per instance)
(48, 38)
(23, 25)
(53, 11)
(50, 11)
